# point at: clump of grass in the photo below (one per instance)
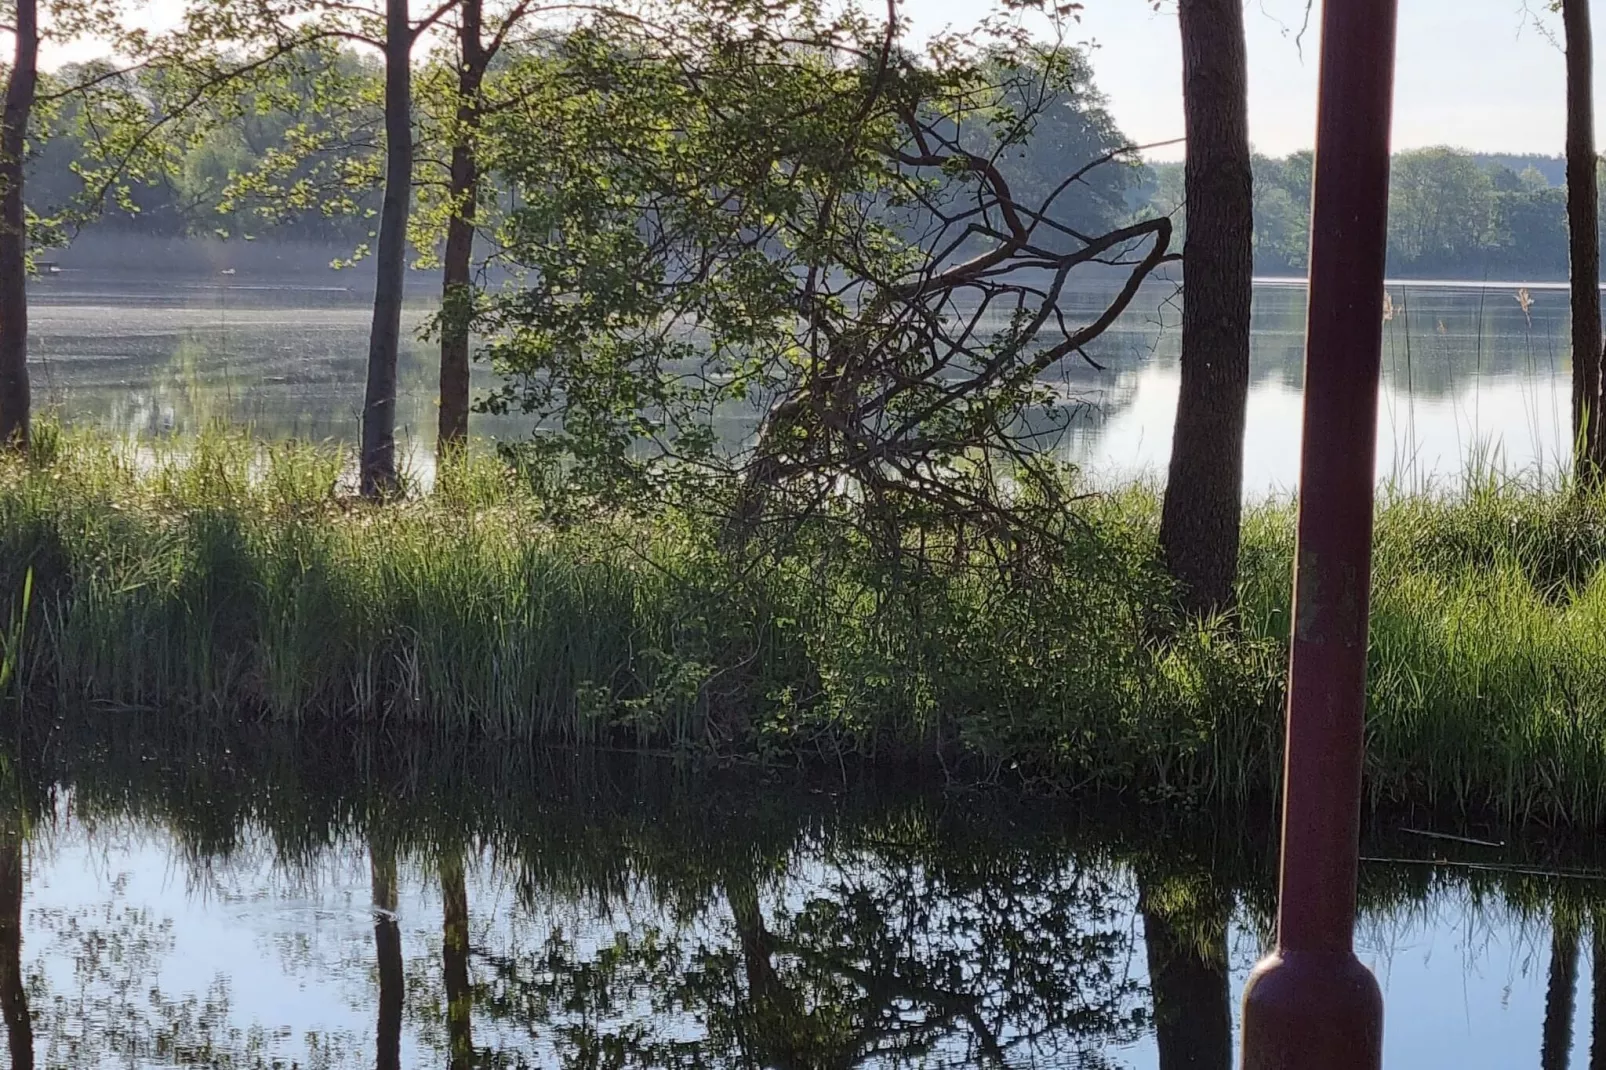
(1487, 662)
(232, 581)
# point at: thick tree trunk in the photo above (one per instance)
(13, 992)
(388, 952)
(1583, 243)
(454, 964)
(16, 400)
(1556, 1045)
(457, 289)
(1192, 997)
(1200, 520)
(378, 463)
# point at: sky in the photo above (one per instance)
(1475, 74)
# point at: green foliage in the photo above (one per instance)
(798, 220)
(234, 581)
(1451, 213)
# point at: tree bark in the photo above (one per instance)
(388, 953)
(13, 992)
(1199, 526)
(1583, 244)
(457, 289)
(454, 965)
(378, 462)
(1556, 1044)
(16, 402)
(1189, 986)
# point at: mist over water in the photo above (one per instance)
(1472, 373)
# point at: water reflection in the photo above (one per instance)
(13, 993)
(1466, 369)
(251, 900)
(1556, 1047)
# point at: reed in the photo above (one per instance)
(226, 582)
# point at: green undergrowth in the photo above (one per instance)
(225, 581)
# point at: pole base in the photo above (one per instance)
(1308, 1010)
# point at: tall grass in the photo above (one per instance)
(228, 582)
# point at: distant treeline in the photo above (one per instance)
(289, 166)
(1451, 213)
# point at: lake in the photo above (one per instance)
(1469, 371)
(215, 897)
(226, 900)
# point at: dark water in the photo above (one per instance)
(1468, 370)
(194, 900)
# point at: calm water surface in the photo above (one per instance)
(1469, 371)
(258, 903)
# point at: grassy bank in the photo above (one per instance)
(230, 582)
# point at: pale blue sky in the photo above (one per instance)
(1471, 73)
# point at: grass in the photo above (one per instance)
(227, 582)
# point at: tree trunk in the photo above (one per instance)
(13, 992)
(1583, 244)
(454, 963)
(1192, 997)
(1203, 496)
(1557, 1042)
(388, 952)
(378, 463)
(457, 290)
(16, 401)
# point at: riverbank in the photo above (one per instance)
(229, 582)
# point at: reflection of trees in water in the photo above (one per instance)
(874, 959)
(113, 1010)
(1185, 921)
(657, 924)
(264, 368)
(283, 372)
(388, 957)
(454, 963)
(13, 994)
(1560, 993)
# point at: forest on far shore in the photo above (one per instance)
(1452, 214)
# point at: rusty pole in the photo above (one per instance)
(1312, 1004)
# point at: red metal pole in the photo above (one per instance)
(1312, 1005)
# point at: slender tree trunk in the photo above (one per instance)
(13, 993)
(1199, 523)
(454, 964)
(16, 401)
(1192, 997)
(1583, 243)
(388, 952)
(457, 289)
(378, 464)
(1556, 1045)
